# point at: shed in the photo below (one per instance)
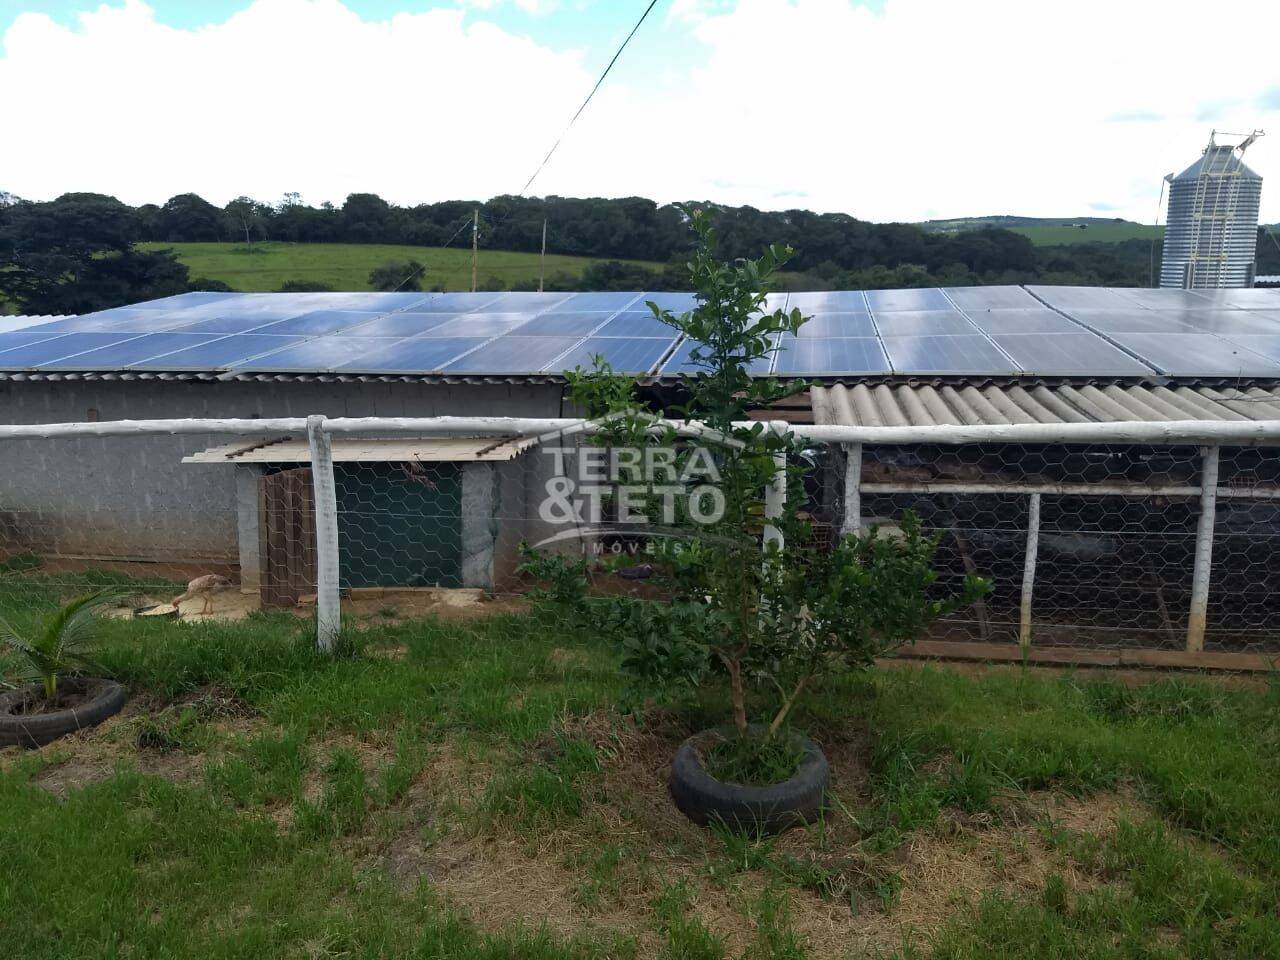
(416, 513)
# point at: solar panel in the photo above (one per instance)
(479, 325)
(623, 355)
(408, 324)
(126, 352)
(1193, 354)
(317, 355)
(1252, 298)
(419, 355)
(216, 354)
(562, 324)
(947, 355)
(1230, 322)
(884, 301)
(454, 302)
(1069, 299)
(1130, 320)
(1032, 320)
(633, 324)
(612, 302)
(46, 351)
(675, 302)
(526, 301)
(226, 325)
(827, 325)
(1164, 299)
(1264, 344)
(822, 301)
(183, 300)
(378, 302)
(21, 338)
(1069, 354)
(319, 322)
(122, 319)
(513, 355)
(970, 299)
(919, 323)
(831, 356)
(681, 362)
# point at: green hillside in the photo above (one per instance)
(345, 266)
(1048, 231)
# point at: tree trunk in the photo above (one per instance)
(739, 695)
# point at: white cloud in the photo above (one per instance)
(535, 7)
(926, 108)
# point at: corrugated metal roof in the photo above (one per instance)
(885, 405)
(434, 450)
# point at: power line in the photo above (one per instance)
(556, 145)
(423, 268)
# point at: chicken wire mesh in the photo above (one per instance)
(1116, 545)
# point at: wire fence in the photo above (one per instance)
(1128, 537)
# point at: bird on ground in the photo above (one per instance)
(205, 588)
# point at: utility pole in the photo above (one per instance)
(475, 246)
(542, 261)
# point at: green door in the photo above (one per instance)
(399, 524)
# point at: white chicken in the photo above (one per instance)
(205, 588)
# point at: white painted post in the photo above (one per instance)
(851, 522)
(775, 495)
(1204, 549)
(328, 602)
(1029, 569)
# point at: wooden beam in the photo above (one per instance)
(1088, 657)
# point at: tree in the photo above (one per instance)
(188, 218)
(367, 218)
(246, 216)
(397, 275)
(764, 618)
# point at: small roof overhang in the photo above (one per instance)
(359, 450)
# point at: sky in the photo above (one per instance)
(883, 109)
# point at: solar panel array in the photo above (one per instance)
(963, 332)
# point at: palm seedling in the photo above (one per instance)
(62, 643)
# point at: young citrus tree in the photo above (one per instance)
(756, 599)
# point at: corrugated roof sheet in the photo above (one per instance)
(885, 405)
(433, 450)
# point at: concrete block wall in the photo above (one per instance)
(134, 498)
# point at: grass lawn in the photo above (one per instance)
(473, 789)
(345, 266)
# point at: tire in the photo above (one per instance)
(106, 698)
(747, 809)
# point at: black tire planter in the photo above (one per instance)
(748, 809)
(104, 698)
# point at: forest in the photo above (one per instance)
(78, 252)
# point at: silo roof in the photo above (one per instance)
(1215, 161)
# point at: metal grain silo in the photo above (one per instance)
(1211, 232)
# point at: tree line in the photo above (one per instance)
(78, 252)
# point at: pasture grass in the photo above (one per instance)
(265, 265)
(469, 789)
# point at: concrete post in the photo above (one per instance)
(1204, 548)
(851, 522)
(1029, 569)
(328, 602)
(775, 495)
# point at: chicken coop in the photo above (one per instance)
(1106, 457)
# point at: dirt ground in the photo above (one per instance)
(371, 606)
